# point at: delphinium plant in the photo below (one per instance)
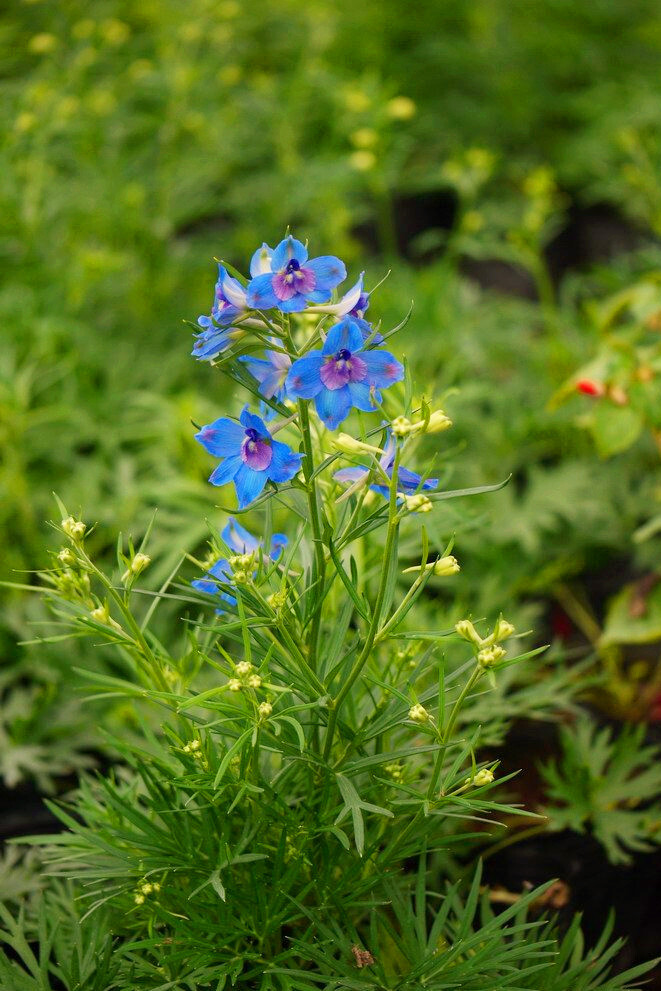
(293, 818)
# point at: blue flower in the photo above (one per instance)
(271, 372)
(229, 302)
(240, 541)
(250, 455)
(291, 281)
(341, 375)
(407, 481)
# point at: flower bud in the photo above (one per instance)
(490, 656)
(241, 563)
(276, 600)
(502, 630)
(254, 681)
(101, 614)
(401, 426)
(139, 563)
(418, 713)
(139, 899)
(234, 685)
(74, 528)
(445, 566)
(243, 668)
(265, 709)
(438, 421)
(418, 503)
(66, 556)
(349, 445)
(466, 630)
(482, 777)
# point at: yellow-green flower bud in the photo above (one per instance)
(66, 556)
(490, 656)
(101, 614)
(401, 426)
(401, 108)
(466, 630)
(349, 445)
(446, 566)
(276, 600)
(139, 899)
(265, 710)
(418, 713)
(234, 685)
(74, 528)
(147, 888)
(502, 630)
(254, 681)
(243, 668)
(438, 421)
(241, 564)
(418, 503)
(139, 563)
(483, 777)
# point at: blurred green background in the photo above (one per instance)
(501, 157)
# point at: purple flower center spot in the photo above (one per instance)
(255, 451)
(341, 368)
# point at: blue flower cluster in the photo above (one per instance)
(347, 372)
(239, 540)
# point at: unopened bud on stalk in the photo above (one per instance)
(74, 528)
(243, 668)
(276, 600)
(438, 421)
(466, 630)
(101, 614)
(418, 503)
(482, 777)
(265, 709)
(254, 681)
(138, 563)
(401, 426)
(442, 568)
(418, 713)
(66, 556)
(241, 563)
(502, 630)
(234, 685)
(489, 656)
(349, 445)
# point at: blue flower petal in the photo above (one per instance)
(304, 378)
(250, 421)
(287, 249)
(360, 396)
(333, 406)
(260, 294)
(382, 368)
(351, 474)
(285, 463)
(249, 484)
(226, 470)
(233, 291)
(294, 305)
(210, 343)
(238, 538)
(345, 334)
(222, 437)
(318, 296)
(278, 542)
(221, 570)
(329, 271)
(261, 261)
(203, 585)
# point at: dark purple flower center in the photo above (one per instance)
(256, 451)
(343, 355)
(341, 368)
(292, 266)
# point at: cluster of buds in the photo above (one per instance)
(418, 713)
(401, 426)
(72, 585)
(277, 600)
(246, 677)
(265, 709)
(145, 889)
(74, 528)
(482, 777)
(194, 748)
(487, 649)
(418, 503)
(243, 566)
(395, 771)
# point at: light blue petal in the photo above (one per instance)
(221, 570)
(350, 474)
(221, 438)
(318, 296)
(249, 484)
(345, 334)
(249, 420)
(226, 470)
(202, 585)
(304, 378)
(294, 305)
(278, 542)
(233, 291)
(285, 463)
(258, 367)
(285, 251)
(382, 368)
(238, 538)
(329, 271)
(333, 406)
(260, 295)
(360, 396)
(261, 261)
(209, 344)
(273, 383)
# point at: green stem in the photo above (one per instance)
(361, 660)
(456, 709)
(319, 564)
